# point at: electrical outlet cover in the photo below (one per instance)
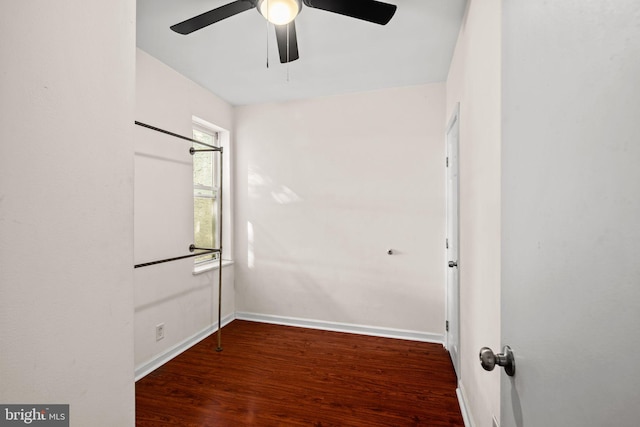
(159, 331)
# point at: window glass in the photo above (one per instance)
(205, 194)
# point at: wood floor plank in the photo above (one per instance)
(270, 375)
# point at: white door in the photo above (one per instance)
(451, 243)
(570, 252)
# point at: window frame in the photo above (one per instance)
(203, 260)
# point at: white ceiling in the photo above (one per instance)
(338, 54)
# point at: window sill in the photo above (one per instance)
(210, 265)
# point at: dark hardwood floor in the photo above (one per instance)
(271, 375)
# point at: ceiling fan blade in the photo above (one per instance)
(285, 40)
(367, 10)
(213, 16)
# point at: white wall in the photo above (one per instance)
(169, 293)
(571, 204)
(324, 188)
(66, 207)
(474, 81)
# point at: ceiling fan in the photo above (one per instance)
(282, 14)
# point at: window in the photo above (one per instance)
(206, 188)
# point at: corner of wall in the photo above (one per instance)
(474, 80)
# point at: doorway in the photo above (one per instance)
(452, 241)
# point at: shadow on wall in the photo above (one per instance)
(282, 279)
(515, 404)
(261, 186)
(172, 297)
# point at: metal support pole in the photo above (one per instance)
(209, 250)
(191, 249)
(192, 150)
(174, 134)
(219, 348)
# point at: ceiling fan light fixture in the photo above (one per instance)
(279, 12)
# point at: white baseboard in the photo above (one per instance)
(343, 327)
(462, 401)
(153, 364)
